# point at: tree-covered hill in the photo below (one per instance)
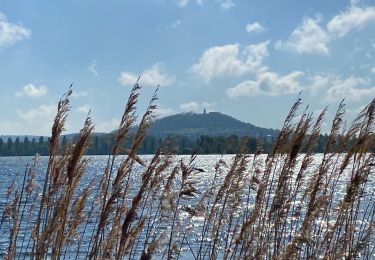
(210, 124)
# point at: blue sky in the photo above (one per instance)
(248, 59)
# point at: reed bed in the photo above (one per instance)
(284, 205)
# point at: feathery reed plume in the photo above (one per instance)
(127, 120)
(120, 184)
(14, 228)
(126, 231)
(63, 108)
(289, 204)
(74, 171)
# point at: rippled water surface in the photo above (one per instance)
(13, 168)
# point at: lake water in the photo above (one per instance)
(13, 168)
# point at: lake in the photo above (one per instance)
(237, 201)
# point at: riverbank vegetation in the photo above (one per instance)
(101, 144)
(285, 205)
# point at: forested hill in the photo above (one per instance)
(211, 124)
(205, 133)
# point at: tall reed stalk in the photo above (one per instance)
(289, 204)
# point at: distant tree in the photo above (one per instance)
(1, 146)
(26, 146)
(9, 147)
(149, 145)
(252, 144)
(17, 147)
(96, 145)
(33, 146)
(41, 141)
(231, 144)
(43, 146)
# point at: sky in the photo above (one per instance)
(249, 59)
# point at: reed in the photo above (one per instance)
(289, 204)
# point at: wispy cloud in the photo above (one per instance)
(254, 28)
(31, 90)
(107, 126)
(349, 89)
(309, 37)
(335, 88)
(34, 121)
(224, 4)
(11, 33)
(268, 84)
(79, 94)
(41, 116)
(227, 60)
(353, 18)
(182, 3)
(174, 25)
(156, 75)
(196, 107)
(162, 111)
(92, 68)
(84, 108)
(319, 83)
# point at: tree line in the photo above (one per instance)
(102, 145)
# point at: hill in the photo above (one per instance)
(211, 124)
(190, 124)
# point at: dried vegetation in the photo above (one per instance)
(286, 205)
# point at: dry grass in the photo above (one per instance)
(288, 205)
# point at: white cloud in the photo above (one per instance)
(107, 126)
(353, 18)
(269, 84)
(160, 111)
(196, 106)
(308, 37)
(182, 3)
(255, 28)
(92, 68)
(226, 4)
(352, 88)
(156, 75)
(175, 24)
(84, 109)
(35, 121)
(11, 33)
(78, 94)
(373, 70)
(12, 127)
(319, 82)
(334, 88)
(227, 60)
(31, 90)
(355, 111)
(43, 114)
